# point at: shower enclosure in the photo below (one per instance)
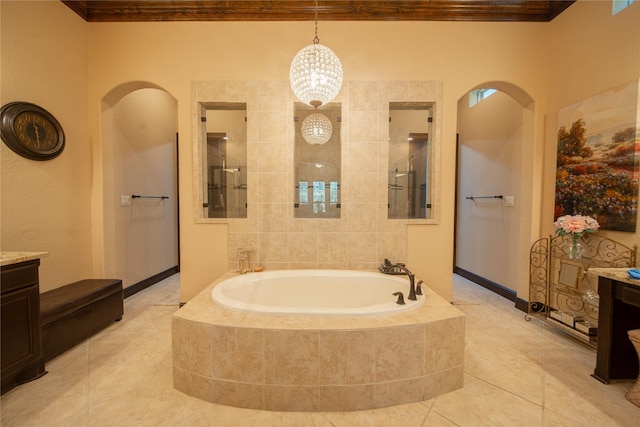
(408, 180)
(226, 180)
(410, 128)
(224, 160)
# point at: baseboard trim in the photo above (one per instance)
(486, 283)
(522, 305)
(150, 281)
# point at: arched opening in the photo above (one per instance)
(495, 188)
(140, 184)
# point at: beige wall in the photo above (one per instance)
(602, 52)
(172, 55)
(144, 236)
(46, 205)
(555, 64)
(490, 141)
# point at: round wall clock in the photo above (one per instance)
(31, 131)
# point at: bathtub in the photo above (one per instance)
(309, 362)
(315, 293)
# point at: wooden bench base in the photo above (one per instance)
(72, 313)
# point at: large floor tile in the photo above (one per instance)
(517, 373)
(480, 403)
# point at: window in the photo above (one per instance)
(333, 192)
(304, 192)
(478, 95)
(619, 5)
(319, 197)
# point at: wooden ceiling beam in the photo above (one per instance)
(328, 10)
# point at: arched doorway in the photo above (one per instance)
(495, 191)
(140, 185)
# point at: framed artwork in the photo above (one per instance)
(598, 158)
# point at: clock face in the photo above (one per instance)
(31, 131)
(35, 132)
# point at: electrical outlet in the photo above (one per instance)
(509, 201)
(125, 201)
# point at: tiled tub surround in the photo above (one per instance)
(363, 235)
(316, 363)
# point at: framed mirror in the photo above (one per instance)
(317, 161)
(410, 160)
(224, 159)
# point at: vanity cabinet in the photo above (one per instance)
(619, 313)
(22, 358)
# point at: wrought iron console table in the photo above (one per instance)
(561, 292)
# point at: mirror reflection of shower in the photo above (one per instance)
(410, 127)
(225, 160)
(317, 167)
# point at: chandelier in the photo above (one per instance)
(315, 74)
(316, 129)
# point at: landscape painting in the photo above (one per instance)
(598, 159)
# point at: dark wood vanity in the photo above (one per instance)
(619, 312)
(22, 358)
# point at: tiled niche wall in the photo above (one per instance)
(363, 236)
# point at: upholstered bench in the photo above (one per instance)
(72, 313)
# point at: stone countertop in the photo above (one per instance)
(619, 274)
(8, 258)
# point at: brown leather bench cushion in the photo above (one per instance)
(59, 302)
(73, 313)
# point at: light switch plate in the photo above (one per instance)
(509, 201)
(125, 201)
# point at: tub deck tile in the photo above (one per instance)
(306, 363)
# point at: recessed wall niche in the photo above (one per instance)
(224, 159)
(317, 166)
(410, 160)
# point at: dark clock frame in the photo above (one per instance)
(8, 115)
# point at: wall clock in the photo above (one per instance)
(31, 131)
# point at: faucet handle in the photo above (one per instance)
(419, 287)
(400, 296)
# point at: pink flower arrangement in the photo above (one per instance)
(576, 225)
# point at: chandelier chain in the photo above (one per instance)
(316, 40)
(315, 73)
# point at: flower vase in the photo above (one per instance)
(574, 249)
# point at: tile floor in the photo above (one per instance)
(517, 373)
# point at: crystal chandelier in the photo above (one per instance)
(316, 129)
(315, 74)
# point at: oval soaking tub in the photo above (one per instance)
(315, 293)
(312, 362)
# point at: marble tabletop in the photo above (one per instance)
(619, 274)
(8, 258)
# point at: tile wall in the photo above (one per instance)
(363, 236)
